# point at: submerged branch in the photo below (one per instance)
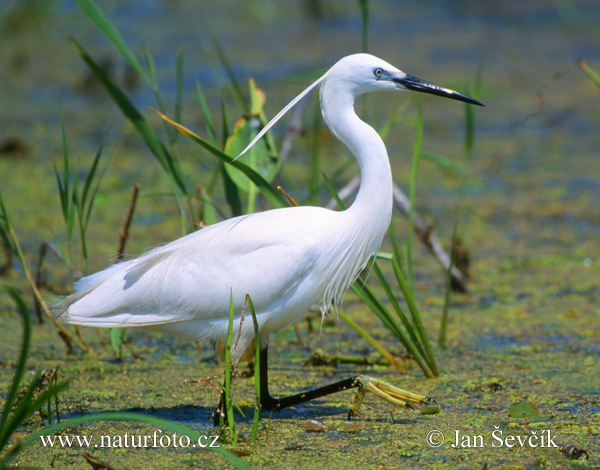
(425, 234)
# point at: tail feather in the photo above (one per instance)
(82, 287)
(120, 296)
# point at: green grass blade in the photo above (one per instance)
(232, 194)
(364, 14)
(333, 192)
(228, 371)
(68, 194)
(123, 416)
(373, 342)
(469, 127)
(444, 320)
(593, 76)
(392, 298)
(157, 95)
(408, 298)
(179, 74)
(393, 119)
(4, 230)
(208, 210)
(416, 317)
(24, 312)
(88, 183)
(254, 432)
(395, 245)
(408, 337)
(225, 131)
(471, 112)
(208, 121)
(93, 11)
(131, 113)
(90, 190)
(66, 179)
(238, 94)
(117, 337)
(65, 184)
(272, 195)
(412, 196)
(443, 162)
(27, 406)
(377, 307)
(401, 279)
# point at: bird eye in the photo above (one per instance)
(378, 72)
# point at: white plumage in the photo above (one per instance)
(286, 259)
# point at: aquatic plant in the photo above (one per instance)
(22, 403)
(468, 148)
(10, 239)
(76, 204)
(19, 407)
(256, 174)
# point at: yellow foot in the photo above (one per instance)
(387, 392)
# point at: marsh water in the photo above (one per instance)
(526, 332)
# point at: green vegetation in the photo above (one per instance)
(548, 364)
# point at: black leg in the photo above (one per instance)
(267, 402)
(366, 384)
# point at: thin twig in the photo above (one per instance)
(125, 229)
(63, 333)
(288, 196)
(425, 234)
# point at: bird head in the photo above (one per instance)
(363, 73)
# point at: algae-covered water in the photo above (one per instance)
(527, 332)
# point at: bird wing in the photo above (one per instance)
(265, 255)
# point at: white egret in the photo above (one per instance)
(285, 259)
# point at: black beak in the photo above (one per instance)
(416, 84)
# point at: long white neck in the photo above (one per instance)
(373, 204)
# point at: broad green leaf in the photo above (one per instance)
(272, 195)
(261, 156)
